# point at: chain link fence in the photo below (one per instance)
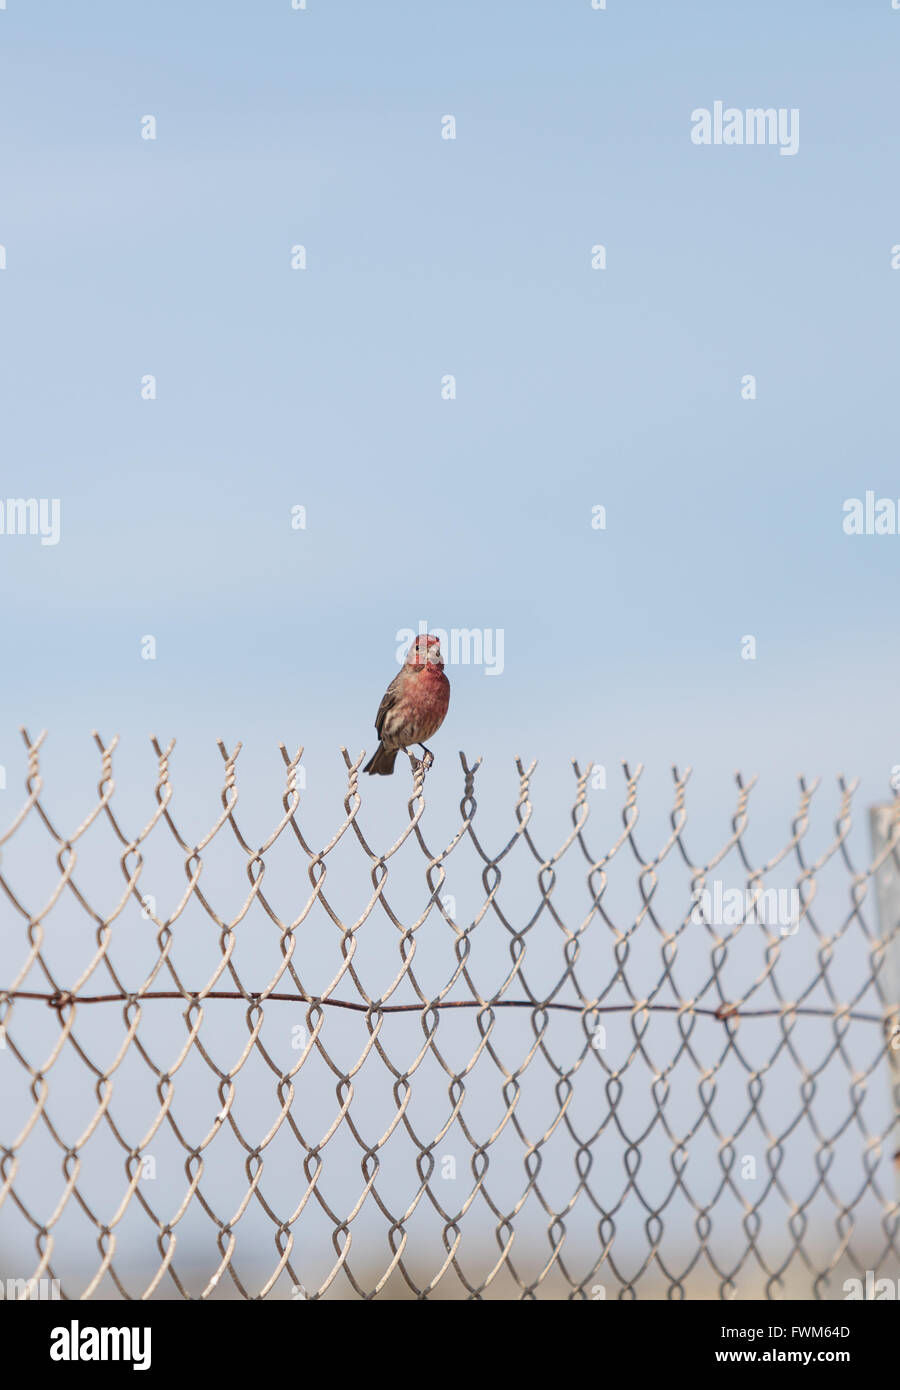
(375, 1062)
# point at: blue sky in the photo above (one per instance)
(574, 387)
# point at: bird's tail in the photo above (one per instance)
(382, 762)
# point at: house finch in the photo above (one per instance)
(414, 705)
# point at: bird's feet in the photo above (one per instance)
(428, 759)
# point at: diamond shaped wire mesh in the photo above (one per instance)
(558, 1091)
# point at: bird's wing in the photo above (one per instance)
(388, 700)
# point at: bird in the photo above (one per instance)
(413, 706)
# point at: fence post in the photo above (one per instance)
(884, 822)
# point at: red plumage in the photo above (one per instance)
(414, 704)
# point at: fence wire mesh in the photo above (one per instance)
(440, 1070)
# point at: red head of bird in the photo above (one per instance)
(425, 651)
